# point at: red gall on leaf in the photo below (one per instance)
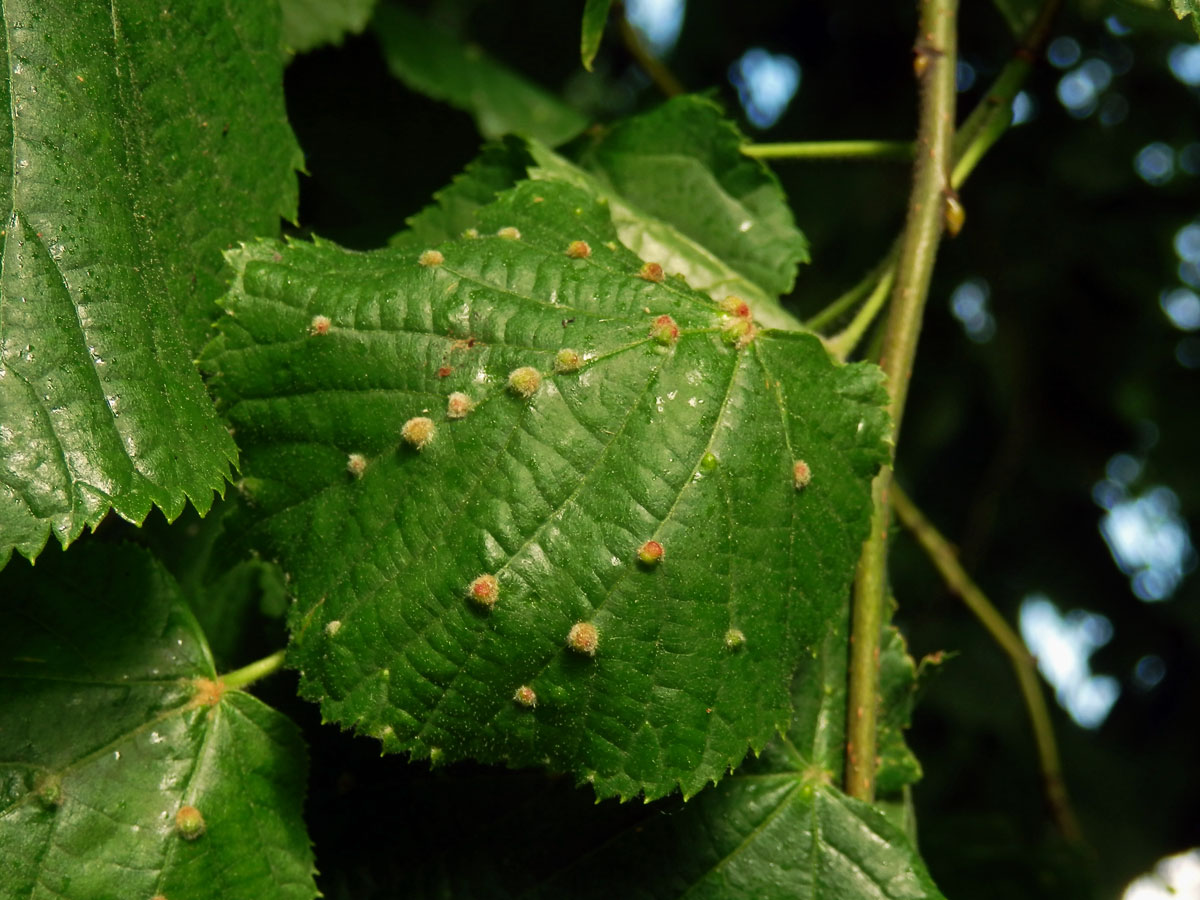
(319, 325)
(418, 432)
(736, 306)
(524, 381)
(189, 823)
(485, 590)
(737, 332)
(583, 638)
(526, 696)
(458, 405)
(567, 361)
(651, 271)
(579, 250)
(664, 330)
(650, 552)
(801, 474)
(356, 464)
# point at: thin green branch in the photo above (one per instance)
(247, 675)
(935, 67)
(990, 118)
(890, 150)
(658, 72)
(842, 344)
(846, 301)
(945, 559)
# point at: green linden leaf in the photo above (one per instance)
(385, 498)
(682, 163)
(740, 188)
(774, 830)
(132, 161)
(435, 63)
(124, 771)
(595, 16)
(498, 167)
(311, 23)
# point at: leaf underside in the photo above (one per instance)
(131, 160)
(101, 745)
(310, 23)
(682, 163)
(691, 445)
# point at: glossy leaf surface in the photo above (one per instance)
(131, 161)
(689, 441)
(111, 725)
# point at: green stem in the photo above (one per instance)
(945, 560)
(989, 119)
(886, 266)
(247, 675)
(894, 150)
(935, 51)
(843, 343)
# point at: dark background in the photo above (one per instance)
(1004, 440)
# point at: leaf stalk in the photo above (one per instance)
(240, 679)
(889, 150)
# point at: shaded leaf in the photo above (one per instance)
(774, 829)
(691, 445)
(682, 163)
(595, 16)
(105, 736)
(435, 63)
(897, 695)
(239, 602)
(311, 23)
(131, 161)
